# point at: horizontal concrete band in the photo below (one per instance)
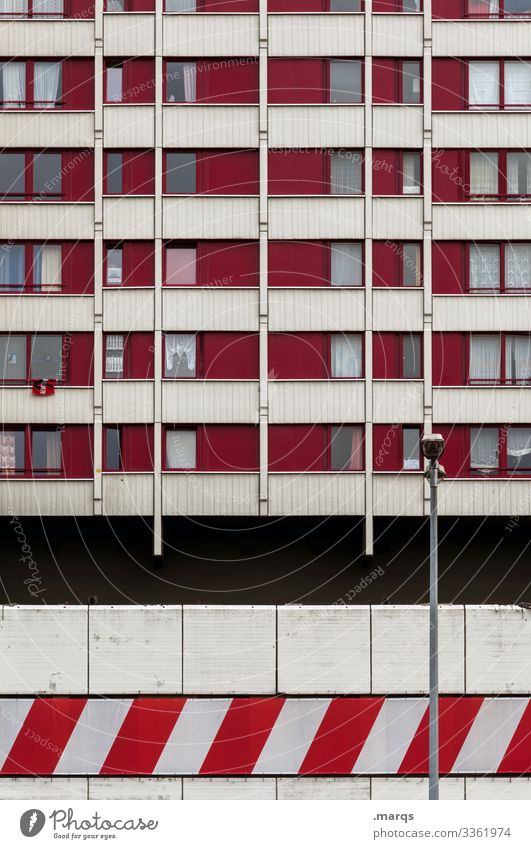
(262, 736)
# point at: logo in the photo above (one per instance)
(32, 822)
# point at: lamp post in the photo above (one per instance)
(432, 448)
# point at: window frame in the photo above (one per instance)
(165, 190)
(29, 102)
(198, 452)
(503, 380)
(328, 152)
(29, 194)
(401, 337)
(329, 430)
(199, 369)
(120, 467)
(502, 288)
(27, 285)
(329, 355)
(28, 470)
(501, 195)
(126, 357)
(38, 16)
(494, 15)
(401, 80)
(502, 469)
(328, 263)
(169, 245)
(328, 79)
(411, 470)
(502, 105)
(61, 380)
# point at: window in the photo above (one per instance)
(46, 173)
(411, 356)
(517, 83)
(180, 355)
(181, 449)
(483, 174)
(30, 175)
(519, 450)
(115, 6)
(484, 266)
(12, 452)
(43, 352)
(114, 83)
(485, 355)
(180, 6)
(411, 448)
(499, 84)
(411, 264)
(114, 268)
(411, 173)
(411, 5)
(181, 81)
(502, 359)
(484, 450)
(13, 359)
(346, 264)
(181, 266)
(180, 173)
(47, 265)
(517, 266)
(34, 266)
(345, 173)
(411, 82)
(113, 449)
(115, 182)
(46, 357)
(31, 9)
(114, 355)
(12, 167)
(46, 452)
(346, 448)
(498, 8)
(345, 81)
(346, 355)
(499, 267)
(484, 84)
(13, 81)
(518, 173)
(345, 5)
(500, 451)
(12, 273)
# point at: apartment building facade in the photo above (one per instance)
(251, 251)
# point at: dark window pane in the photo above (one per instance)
(113, 93)
(411, 448)
(411, 356)
(345, 82)
(12, 273)
(47, 174)
(345, 6)
(46, 359)
(411, 82)
(411, 265)
(347, 448)
(12, 168)
(181, 82)
(113, 453)
(180, 173)
(114, 173)
(46, 451)
(13, 358)
(518, 7)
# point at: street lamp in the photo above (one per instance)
(432, 448)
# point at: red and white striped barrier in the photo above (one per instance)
(261, 736)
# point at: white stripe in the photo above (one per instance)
(192, 736)
(291, 736)
(93, 736)
(490, 735)
(13, 713)
(390, 737)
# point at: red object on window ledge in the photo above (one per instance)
(43, 387)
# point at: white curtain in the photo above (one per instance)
(47, 84)
(46, 451)
(411, 174)
(180, 5)
(517, 83)
(8, 451)
(12, 267)
(180, 354)
(519, 449)
(345, 173)
(484, 84)
(483, 7)
(114, 355)
(518, 359)
(484, 173)
(484, 451)
(346, 355)
(484, 358)
(518, 266)
(346, 264)
(180, 449)
(518, 173)
(48, 8)
(484, 267)
(14, 85)
(47, 262)
(189, 72)
(14, 9)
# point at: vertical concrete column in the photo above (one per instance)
(369, 515)
(263, 237)
(427, 240)
(157, 383)
(98, 254)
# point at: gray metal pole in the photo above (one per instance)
(434, 638)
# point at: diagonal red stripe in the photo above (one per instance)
(242, 736)
(43, 737)
(341, 735)
(142, 736)
(517, 758)
(456, 716)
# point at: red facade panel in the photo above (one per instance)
(448, 84)
(78, 358)
(297, 80)
(229, 448)
(448, 268)
(77, 448)
(230, 356)
(228, 263)
(78, 83)
(298, 263)
(297, 448)
(228, 172)
(227, 80)
(448, 356)
(298, 172)
(297, 356)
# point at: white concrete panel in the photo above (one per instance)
(145, 788)
(53, 128)
(210, 35)
(481, 129)
(128, 310)
(477, 312)
(498, 649)
(398, 309)
(496, 788)
(48, 38)
(210, 308)
(481, 404)
(43, 788)
(397, 35)
(397, 217)
(480, 38)
(127, 401)
(229, 649)
(324, 217)
(212, 217)
(316, 125)
(127, 494)
(198, 125)
(316, 309)
(412, 789)
(400, 649)
(206, 494)
(316, 401)
(229, 789)
(317, 494)
(316, 35)
(129, 35)
(398, 402)
(323, 789)
(210, 401)
(130, 217)
(397, 126)
(42, 649)
(399, 494)
(135, 650)
(47, 497)
(42, 312)
(129, 126)
(323, 650)
(482, 497)
(49, 221)
(69, 404)
(476, 221)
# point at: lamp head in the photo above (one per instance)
(432, 446)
